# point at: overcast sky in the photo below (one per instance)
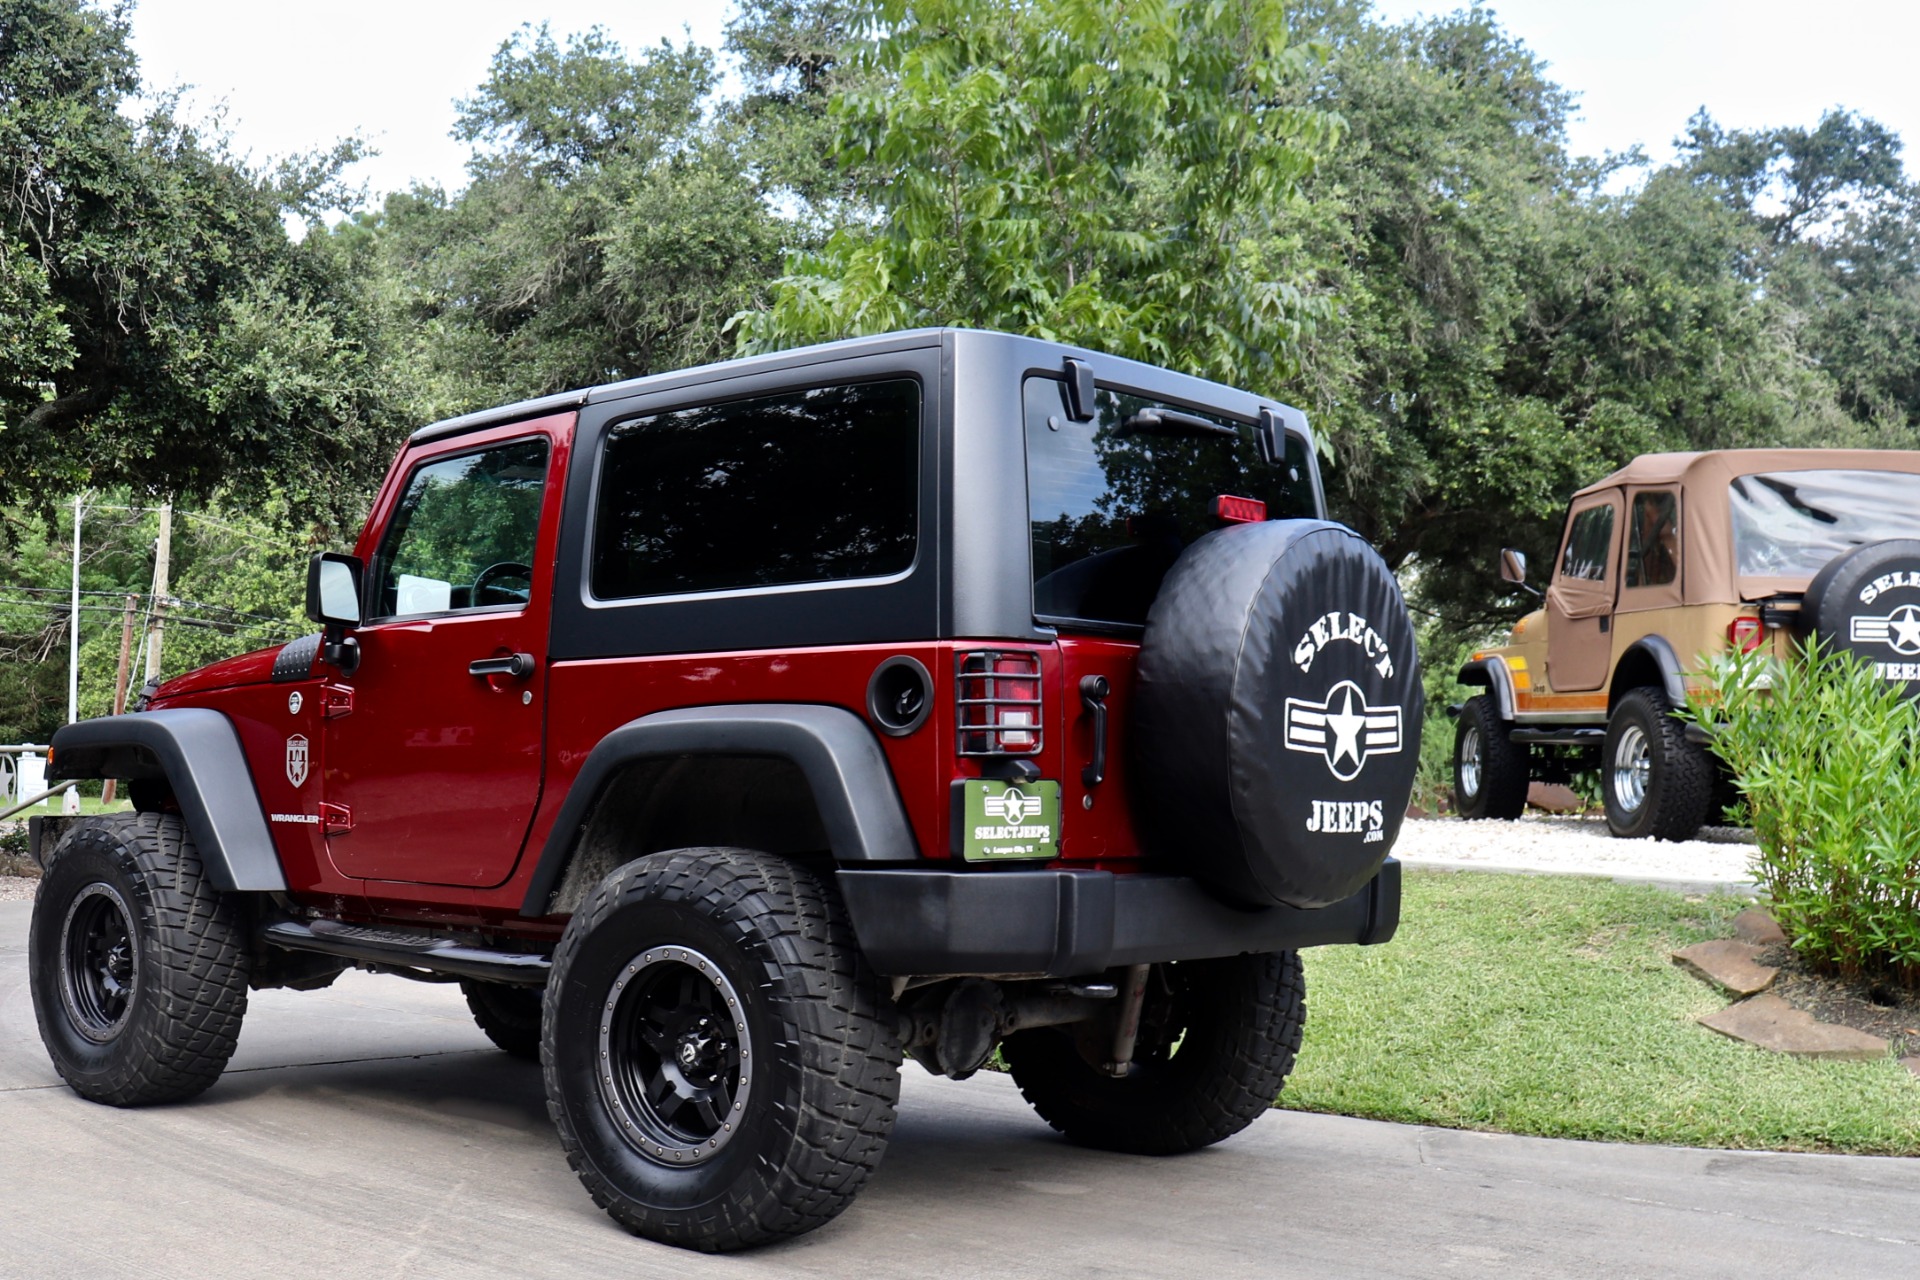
(295, 77)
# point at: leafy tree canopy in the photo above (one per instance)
(1071, 169)
(159, 329)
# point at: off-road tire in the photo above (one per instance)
(184, 988)
(1679, 784)
(1217, 1041)
(510, 1016)
(820, 1099)
(1501, 789)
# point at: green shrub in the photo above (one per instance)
(1824, 752)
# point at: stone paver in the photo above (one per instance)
(1554, 797)
(1729, 964)
(1769, 1022)
(1757, 927)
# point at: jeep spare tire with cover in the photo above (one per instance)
(1868, 602)
(1277, 722)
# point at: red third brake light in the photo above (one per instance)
(1745, 634)
(1234, 510)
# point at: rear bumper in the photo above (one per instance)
(1069, 923)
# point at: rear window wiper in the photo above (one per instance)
(1172, 422)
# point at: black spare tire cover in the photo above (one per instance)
(1276, 723)
(1867, 601)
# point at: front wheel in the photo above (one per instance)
(136, 963)
(1655, 782)
(719, 1061)
(1217, 1041)
(1489, 771)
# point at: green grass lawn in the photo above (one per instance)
(88, 805)
(1548, 1005)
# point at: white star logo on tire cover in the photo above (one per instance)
(1344, 730)
(1899, 630)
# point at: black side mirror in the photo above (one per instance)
(333, 589)
(333, 600)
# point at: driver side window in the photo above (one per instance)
(462, 536)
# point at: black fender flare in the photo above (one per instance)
(1672, 681)
(197, 751)
(1492, 675)
(852, 785)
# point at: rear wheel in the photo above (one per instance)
(1217, 1040)
(719, 1063)
(1489, 771)
(1655, 783)
(137, 967)
(510, 1016)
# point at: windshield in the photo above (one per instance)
(1789, 524)
(1113, 505)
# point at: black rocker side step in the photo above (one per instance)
(1563, 737)
(408, 950)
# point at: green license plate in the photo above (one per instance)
(1010, 819)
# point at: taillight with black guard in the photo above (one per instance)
(998, 700)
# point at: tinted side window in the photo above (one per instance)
(1588, 544)
(463, 534)
(1653, 540)
(806, 486)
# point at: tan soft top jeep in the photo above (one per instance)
(1673, 558)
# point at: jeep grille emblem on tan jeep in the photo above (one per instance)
(1346, 737)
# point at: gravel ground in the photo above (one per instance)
(1538, 842)
(1575, 846)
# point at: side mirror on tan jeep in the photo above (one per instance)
(333, 600)
(1513, 567)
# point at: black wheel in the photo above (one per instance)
(721, 1065)
(1489, 771)
(509, 1015)
(1654, 781)
(138, 971)
(1217, 1040)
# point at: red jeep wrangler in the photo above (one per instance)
(731, 734)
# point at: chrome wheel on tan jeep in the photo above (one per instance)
(1489, 771)
(1655, 782)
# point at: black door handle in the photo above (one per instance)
(513, 664)
(1093, 696)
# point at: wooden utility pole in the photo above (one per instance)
(120, 682)
(157, 623)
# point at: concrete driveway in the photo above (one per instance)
(369, 1130)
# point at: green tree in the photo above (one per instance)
(158, 327)
(1072, 169)
(613, 223)
(1507, 329)
(1840, 255)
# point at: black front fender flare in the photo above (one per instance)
(1672, 677)
(837, 753)
(198, 753)
(1492, 675)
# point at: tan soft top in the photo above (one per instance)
(1706, 527)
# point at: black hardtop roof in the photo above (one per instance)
(1037, 353)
